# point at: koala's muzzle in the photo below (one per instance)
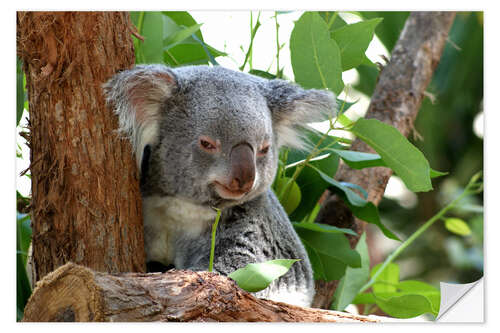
(242, 168)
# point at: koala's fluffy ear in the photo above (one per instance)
(136, 96)
(292, 107)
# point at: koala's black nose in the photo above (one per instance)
(242, 168)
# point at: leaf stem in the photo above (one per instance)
(469, 189)
(212, 244)
(278, 71)
(253, 31)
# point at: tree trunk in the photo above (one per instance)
(395, 101)
(76, 293)
(86, 205)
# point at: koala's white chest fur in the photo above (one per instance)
(167, 219)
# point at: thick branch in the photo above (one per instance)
(76, 293)
(395, 101)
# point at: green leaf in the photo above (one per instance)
(369, 213)
(333, 245)
(343, 105)
(23, 288)
(314, 55)
(457, 226)
(430, 292)
(408, 299)
(387, 280)
(405, 306)
(344, 120)
(389, 31)
(291, 198)
(361, 208)
(351, 196)
(325, 268)
(264, 74)
(192, 50)
(152, 31)
(332, 20)
(435, 174)
(179, 36)
(358, 160)
(397, 152)
(19, 90)
(23, 236)
(183, 19)
(354, 278)
(353, 40)
(255, 277)
(323, 228)
(312, 184)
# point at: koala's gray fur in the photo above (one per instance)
(165, 113)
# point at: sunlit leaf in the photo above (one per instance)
(255, 277)
(397, 152)
(457, 226)
(353, 40)
(314, 55)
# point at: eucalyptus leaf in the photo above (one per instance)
(182, 18)
(457, 226)
(323, 228)
(261, 73)
(343, 106)
(180, 35)
(406, 306)
(387, 280)
(314, 55)
(311, 183)
(397, 152)
(435, 173)
(407, 299)
(23, 235)
(334, 245)
(332, 20)
(354, 278)
(290, 199)
(358, 160)
(152, 31)
(389, 32)
(325, 268)
(23, 288)
(255, 277)
(353, 40)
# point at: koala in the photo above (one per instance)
(207, 137)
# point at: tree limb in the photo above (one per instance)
(76, 293)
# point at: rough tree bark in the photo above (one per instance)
(76, 293)
(86, 204)
(395, 101)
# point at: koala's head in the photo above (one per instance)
(209, 134)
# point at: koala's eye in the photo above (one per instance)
(207, 144)
(263, 151)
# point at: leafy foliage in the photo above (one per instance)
(400, 299)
